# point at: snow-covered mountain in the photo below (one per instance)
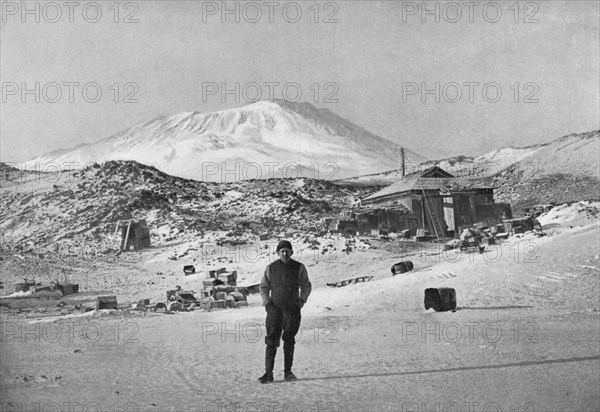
(573, 155)
(260, 140)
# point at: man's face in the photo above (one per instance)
(285, 255)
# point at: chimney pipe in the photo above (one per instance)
(403, 167)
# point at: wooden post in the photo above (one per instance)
(116, 230)
(125, 246)
(422, 206)
(455, 213)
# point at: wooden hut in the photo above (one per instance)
(440, 203)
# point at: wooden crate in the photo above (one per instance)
(215, 273)
(68, 288)
(208, 283)
(229, 278)
(219, 304)
(106, 302)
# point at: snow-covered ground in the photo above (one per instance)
(525, 335)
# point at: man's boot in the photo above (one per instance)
(270, 353)
(288, 361)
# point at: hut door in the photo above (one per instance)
(449, 212)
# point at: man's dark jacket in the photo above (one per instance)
(286, 285)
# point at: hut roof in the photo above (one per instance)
(400, 209)
(434, 178)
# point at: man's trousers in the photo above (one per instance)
(281, 324)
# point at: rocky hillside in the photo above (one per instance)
(562, 171)
(86, 204)
(523, 191)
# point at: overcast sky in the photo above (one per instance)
(368, 59)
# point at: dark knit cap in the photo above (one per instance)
(284, 244)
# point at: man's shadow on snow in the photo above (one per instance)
(492, 307)
(457, 369)
(481, 308)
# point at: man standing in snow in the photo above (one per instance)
(284, 289)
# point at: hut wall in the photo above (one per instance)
(405, 201)
(387, 220)
(464, 210)
(393, 200)
(418, 211)
(436, 202)
(493, 213)
(460, 209)
(484, 196)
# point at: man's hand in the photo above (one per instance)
(302, 303)
(268, 304)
